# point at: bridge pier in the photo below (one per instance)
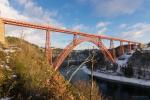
(121, 48)
(74, 39)
(112, 49)
(48, 49)
(2, 32)
(102, 50)
(129, 46)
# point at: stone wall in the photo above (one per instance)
(2, 33)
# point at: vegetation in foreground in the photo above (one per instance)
(30, 77)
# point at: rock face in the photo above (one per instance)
(134, 64)
(79, 56)
(2, 35)
(140, 62)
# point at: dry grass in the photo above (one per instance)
(90, 94)
(36, 78)
(2, 58)
(2, 78)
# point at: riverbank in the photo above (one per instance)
(119, 79)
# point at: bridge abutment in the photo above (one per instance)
(2, 33)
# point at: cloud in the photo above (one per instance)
(30, 12)
(102, 27)
(23, 2)
(113, 8)
(138, 32)
(7, 11)
(102, 24)
(122, 26)
(36, 13)
(80, 27)
(102, 31)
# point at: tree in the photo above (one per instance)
(128, 71)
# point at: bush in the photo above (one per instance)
(36, 79)
(128, 71)
(85, 88)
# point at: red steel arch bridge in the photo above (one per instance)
(78, 37)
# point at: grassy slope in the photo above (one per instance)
(36, 78)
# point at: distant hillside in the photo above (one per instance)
(79, 56)
(140, 62)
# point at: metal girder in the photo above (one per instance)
(74, 39)
(112, 49)
(66, 51)
(121, 48)
(48, 50)
(85, 37)
(129, 46)
(56, 29)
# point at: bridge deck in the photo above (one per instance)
(56, 29)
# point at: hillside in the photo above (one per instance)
(140, 62)
(25, 74)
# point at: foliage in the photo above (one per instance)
(36, 79)
(128, 71)
(89, 93)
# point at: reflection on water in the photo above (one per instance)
(112, 91)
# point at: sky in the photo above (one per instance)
(127, 19)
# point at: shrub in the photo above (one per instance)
(36, 79)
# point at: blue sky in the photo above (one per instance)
(118, 18)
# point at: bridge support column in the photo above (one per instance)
(121, 48)
(129, 46)
(112, 49)
(48, 50)
(103, 52)
(140, 45)
(74, 39)
(2, 33)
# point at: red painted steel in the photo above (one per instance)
(112, 49)
(121, 48)
(86, 37)
(129, 46)
(56, 29)
(48, 49)
(61, 57)
(47, 46)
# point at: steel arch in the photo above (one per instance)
(61, 57)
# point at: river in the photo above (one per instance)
(111, 90)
